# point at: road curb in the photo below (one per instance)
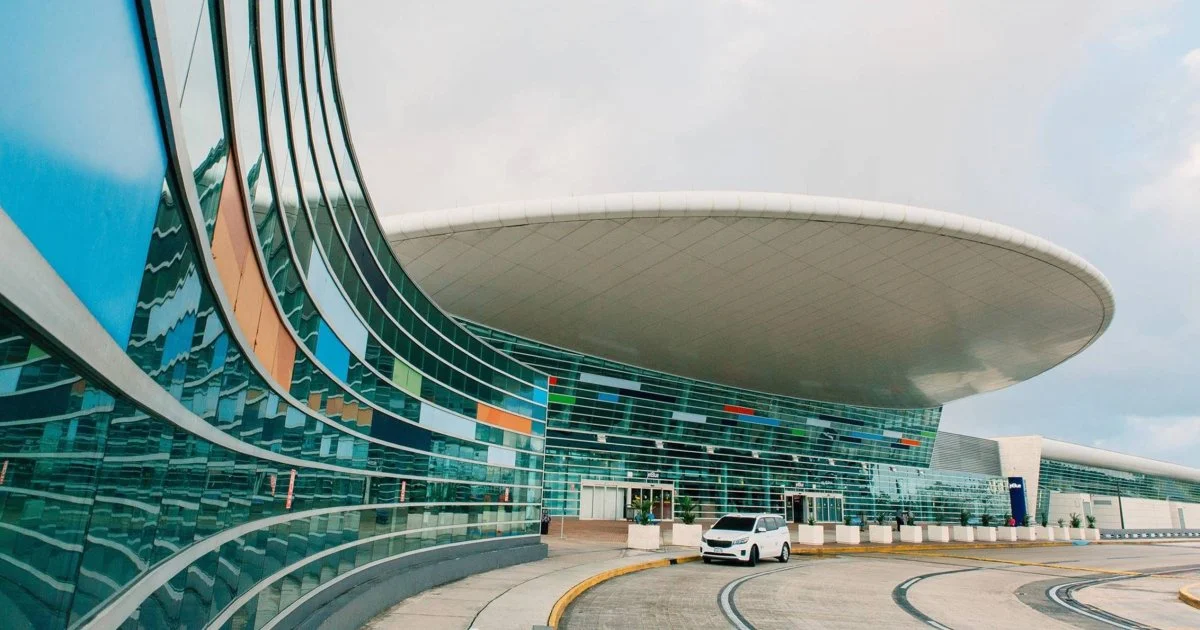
(1190, 595)
(560, 606)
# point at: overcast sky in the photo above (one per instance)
(1076, 121)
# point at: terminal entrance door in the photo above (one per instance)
(608, 500)
(821, 506)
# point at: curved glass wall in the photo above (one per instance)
(218, 239)
(616, 432)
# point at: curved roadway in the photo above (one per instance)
(1097, 586)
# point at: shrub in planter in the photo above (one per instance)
(985, 520)
(811, 534)
(964, 518)
(686, 533)
(910, 534)
(643, 535)
(1091, 522)
(937, 533)
(847, 533)
(1076, 522)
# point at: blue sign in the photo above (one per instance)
(1016, 496)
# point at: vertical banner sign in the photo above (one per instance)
(271, 479)
(291, 487)
(1016, 496)
(3, 472)
(403, 490)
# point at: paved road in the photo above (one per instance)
(954, 589)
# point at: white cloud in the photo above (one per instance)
(1173, 439)
(1191, 61)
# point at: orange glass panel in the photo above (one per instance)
(225, 259)
(504, 419)
(248, 305)
(285, 358)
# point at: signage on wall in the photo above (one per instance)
(652, 474)
(1016, 497)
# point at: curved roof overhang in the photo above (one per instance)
(830, 299)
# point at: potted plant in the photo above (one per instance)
(1005, 533)
(985, 532)
(1076, 531)
(911, 533)
(1045, 532)
(1025, 532)
(810, 533)
(938, 532)
(1061, 532)
(1091, 533)
(963, 532)
(686, 533)
(879, 532)
(847, 533)
(642, 533)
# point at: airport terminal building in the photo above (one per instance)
(230, 393)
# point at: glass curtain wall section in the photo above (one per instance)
(1056, 476)
(364, 422)
(736, 450)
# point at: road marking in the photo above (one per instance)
(900, 596)
(1070, 603)
(725, 598)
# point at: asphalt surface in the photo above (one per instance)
(1130, 586)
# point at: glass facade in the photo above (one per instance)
(615, 431)
(224, 242)
(1056, 476)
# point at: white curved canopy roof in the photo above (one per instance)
(830, 299)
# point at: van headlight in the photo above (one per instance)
(741, 541)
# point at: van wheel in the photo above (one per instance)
(784, 554)
(753, 561)
(707, 560)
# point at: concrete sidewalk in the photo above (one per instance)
(514, 598)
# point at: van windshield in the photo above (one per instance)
(735, 523)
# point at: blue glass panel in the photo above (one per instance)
(607, 397)
(80, 146)
(334, 305)
(771, 422)
(331, 353)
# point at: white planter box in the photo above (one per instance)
(1045, 533)
(1062, 533)
(1076, 533)
(848, 535)
(937, 533)
(647, 537)
(881, 534)
(985, 534)
(1027, 533)
(810, 534)
(1091, 533)
(686, 535)
(1006, 534)
(963, 534)
(910, 534)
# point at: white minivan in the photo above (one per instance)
(746, 538)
